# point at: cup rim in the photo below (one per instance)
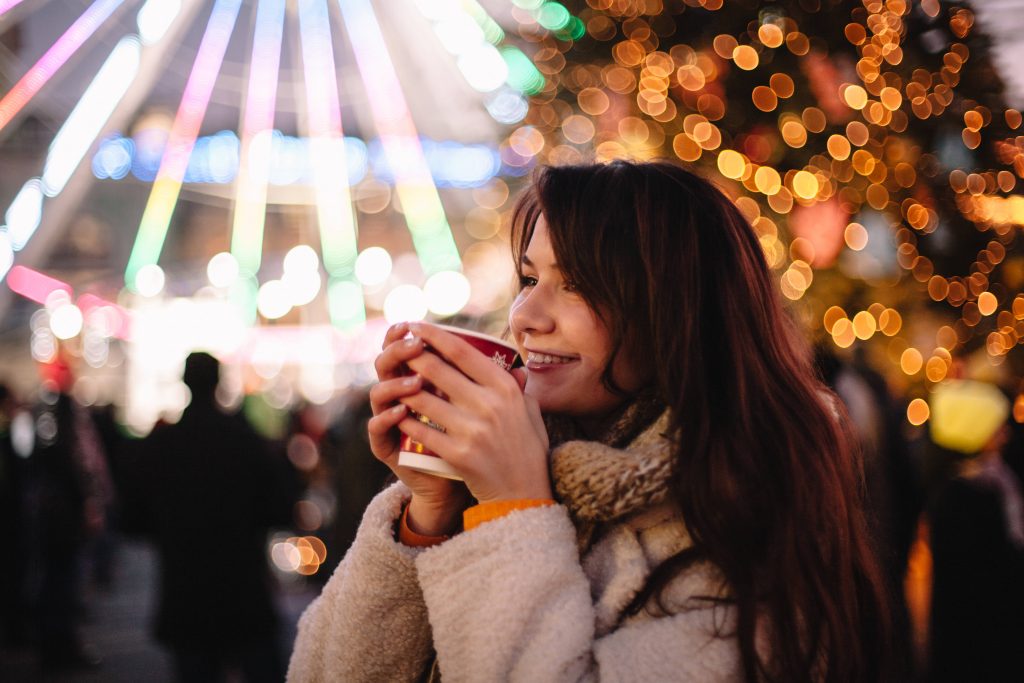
(478, 335)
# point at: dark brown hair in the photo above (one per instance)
(765, 474)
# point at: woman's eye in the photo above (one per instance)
(526, 281)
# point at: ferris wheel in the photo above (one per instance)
(397, 53)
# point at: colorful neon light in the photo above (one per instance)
(330, 167)
(86, 121)
(8, 4)
(65, 46)
(33, 285)
(164, 196)
(424, 214)
(257, 131)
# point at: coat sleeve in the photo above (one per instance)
(509, 601)
(370, 621)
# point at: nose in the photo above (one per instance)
(531, 312)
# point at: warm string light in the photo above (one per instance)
(830, 170)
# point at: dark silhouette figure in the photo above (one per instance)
(357, 475)
(72, 492)
(208, 490)
(977, 542)
(14, 525)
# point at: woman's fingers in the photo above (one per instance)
(396, 353)
(380, 429)
(394, 333)
(461, 354)
(434, 439)
(437, 410)
(384, 394)
(447, 378)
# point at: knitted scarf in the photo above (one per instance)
(627, 469)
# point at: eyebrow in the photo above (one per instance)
(525, 260)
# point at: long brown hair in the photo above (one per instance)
(765, 474)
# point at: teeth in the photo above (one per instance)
(546, 358)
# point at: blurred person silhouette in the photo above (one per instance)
(357, 475)
(977, 540)
(15, 425)
(208, 489)
(72, 492)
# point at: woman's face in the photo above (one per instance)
(565, 344)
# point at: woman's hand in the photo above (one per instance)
(437, 503)
(494, 435)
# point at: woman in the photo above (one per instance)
(708, 525)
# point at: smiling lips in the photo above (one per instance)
(535, 358)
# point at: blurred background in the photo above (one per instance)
(274, 182)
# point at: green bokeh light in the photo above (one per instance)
(522, 73)
(553, 16)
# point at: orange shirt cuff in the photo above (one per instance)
(485, 512)
(407, 536)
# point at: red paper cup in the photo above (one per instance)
(416, 456)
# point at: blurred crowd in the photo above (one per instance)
(234, 505)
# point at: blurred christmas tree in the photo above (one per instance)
(867, 142)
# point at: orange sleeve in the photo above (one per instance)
(485, 512)
(407, 536)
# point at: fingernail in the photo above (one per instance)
(410, 381)
(400, 408)
(412, 342)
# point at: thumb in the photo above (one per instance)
(520, 374)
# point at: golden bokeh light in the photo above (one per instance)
(794, 133)
(855, 236)
(935, 369)
(855, 96)
(731, 163)
(890, 322)
(864, 326)
(745, 57)
(842, 333)
(578, 129)
(857, 133)
(987, 303)
(593, 101)
(770, 35)
(911, 361)
(839, 147)
(724, 46)
(764, 98)
(805, 185)
(833, 315)
(767, 180)
(782, 85)
(918, 412)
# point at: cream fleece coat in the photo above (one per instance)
(511, 600)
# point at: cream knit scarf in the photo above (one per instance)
(626, 470)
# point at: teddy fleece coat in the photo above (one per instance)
(512, 600)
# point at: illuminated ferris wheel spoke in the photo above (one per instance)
(156, 217)
(7, 5)
(59, 53)
(257, 147)
(330, 169)
(424, 214)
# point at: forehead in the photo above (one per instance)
(538, 252)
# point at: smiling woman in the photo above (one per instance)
(664, 492)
